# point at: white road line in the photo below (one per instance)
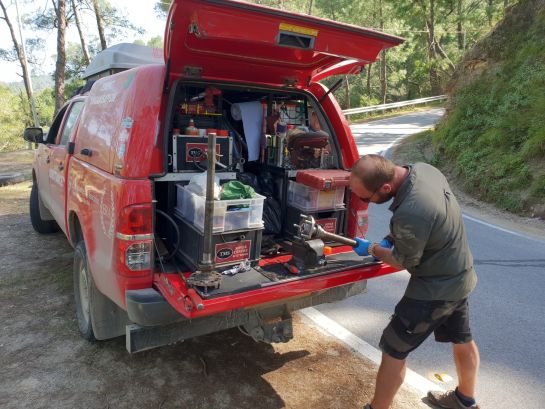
(412, 379)
(502, 229)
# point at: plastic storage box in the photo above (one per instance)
(308, 199)
(229, 215)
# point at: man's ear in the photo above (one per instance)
(386, 188)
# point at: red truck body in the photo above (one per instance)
(105, 165)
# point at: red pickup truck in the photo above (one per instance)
(120, 169)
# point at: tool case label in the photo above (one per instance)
(233, 251)
(196, 151)
(329, 225)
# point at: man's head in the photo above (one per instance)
(372, 179)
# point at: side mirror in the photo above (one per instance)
(33, 134)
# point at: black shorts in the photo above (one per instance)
(414, 320)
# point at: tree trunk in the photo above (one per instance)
(435, 82)
(489, 8)
(61, 55)
(20, 50)
(100, 25)
(310, 7)
(459, 28)
(369, 66)
(84, 48)
(383, 77)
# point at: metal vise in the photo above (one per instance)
(308, 229)
(308, 247)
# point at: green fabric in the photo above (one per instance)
(234, 189)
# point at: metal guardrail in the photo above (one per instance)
(384, 107)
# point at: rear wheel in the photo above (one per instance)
(40, 225)
(83, 290)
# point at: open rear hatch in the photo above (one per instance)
(243, 42)
(211, 48)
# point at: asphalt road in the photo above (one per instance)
(507, 307)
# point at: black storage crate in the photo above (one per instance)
(230, 248)
(331, 220)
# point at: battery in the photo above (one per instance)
(229, 248)
(189, 152)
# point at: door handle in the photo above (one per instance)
(47, 160)
(86, 152)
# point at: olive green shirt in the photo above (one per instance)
(429, 237)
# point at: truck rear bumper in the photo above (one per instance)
(156, 323)
(148, 308)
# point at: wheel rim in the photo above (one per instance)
(84, 293)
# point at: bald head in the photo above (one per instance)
(373, 171)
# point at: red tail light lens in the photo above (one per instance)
(357, 217)
(135, 219)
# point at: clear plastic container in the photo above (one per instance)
(309, 199)
(229, 215)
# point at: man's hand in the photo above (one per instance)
(385, 244)
(362, 249)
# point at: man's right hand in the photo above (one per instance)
(362, 249)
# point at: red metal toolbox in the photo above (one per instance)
(323, 179)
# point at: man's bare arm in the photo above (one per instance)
(385, 255)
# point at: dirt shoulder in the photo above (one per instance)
(415, 149)
(45, 363)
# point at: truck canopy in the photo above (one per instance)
(121, 57)
(234, 40)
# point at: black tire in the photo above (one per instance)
(40, 225)
(83, 292)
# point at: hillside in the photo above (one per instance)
(493, 137)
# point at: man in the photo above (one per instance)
(427, 237)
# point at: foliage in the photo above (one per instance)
(409, 65)
(156, 42)
(115, 22)
(495, 132)
(10, 120)
(15, 115)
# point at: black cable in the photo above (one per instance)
(178, 236)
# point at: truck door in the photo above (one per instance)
(43, 158)
(58, 164)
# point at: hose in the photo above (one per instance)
(178, 236)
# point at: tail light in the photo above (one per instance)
(135, 220)
(134, 239)
(357, 217)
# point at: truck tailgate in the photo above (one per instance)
(267, 283)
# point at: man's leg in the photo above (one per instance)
(389, 378)
(467, 360)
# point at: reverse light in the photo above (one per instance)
(138, 256)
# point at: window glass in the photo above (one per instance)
(71, 121)
(54, 129)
